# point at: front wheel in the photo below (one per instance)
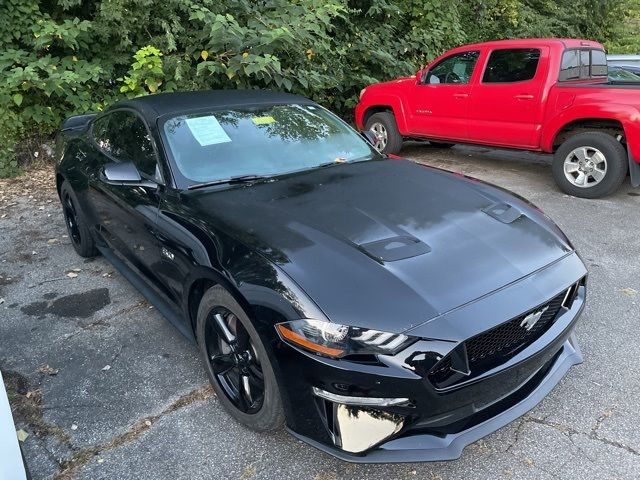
(384, 127)
(590, 165)
(237, 363)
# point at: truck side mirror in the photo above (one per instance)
(419, 75)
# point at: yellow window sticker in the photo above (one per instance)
(263, 120)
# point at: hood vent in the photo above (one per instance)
(502, 212)
(395, 248)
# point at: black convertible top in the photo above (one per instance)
(153, 106)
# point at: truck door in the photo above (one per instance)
(505, 107)
(439, 105)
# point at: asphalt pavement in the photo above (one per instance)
(106, 388)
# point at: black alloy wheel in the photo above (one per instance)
(234, 360)
(71, 218)
(79, 234)
(237, 362)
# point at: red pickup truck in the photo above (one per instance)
(544, 95)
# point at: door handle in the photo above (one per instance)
(461, 95)
(523, 96)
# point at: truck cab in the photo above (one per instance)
(530, 94)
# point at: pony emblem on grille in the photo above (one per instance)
(530, 320)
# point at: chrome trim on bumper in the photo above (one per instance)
(359, 401)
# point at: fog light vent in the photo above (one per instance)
(354, 425)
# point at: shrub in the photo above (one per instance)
(63, 57)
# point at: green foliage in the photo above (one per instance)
(63, 57)
(146, 73)
(626, 31)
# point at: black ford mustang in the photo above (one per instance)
(383, 310)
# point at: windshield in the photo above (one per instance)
(622, 74)
(265, 141)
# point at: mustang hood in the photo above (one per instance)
(387, 242)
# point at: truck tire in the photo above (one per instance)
(384, 126)
(590, 165)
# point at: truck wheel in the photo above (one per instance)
(383, 125)
(590, 165)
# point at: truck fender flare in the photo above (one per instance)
(623, 115)
(396, 106)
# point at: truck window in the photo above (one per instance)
(456, 69)
(570, 67)
(511, 65)
(584, 63)
(581, 64)
(598, 63)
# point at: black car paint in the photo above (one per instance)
(299, 246)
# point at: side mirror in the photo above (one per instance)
(372, 138)
(125, 172)
(419, 75)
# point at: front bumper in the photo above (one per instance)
(321, 395)
(428, 447)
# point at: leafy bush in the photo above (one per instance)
(64, 57)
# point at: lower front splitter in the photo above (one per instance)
(428, 448)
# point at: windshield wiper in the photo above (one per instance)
(230, 180)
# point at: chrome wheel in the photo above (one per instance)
(585, 167)
(380, 131)
(234, 360)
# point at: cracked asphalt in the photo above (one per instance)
(107, 389)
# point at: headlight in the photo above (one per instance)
(334, 340)
(362, 92)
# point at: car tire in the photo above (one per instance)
(590, 165)
(77, 227)
(441, 144)
(217, 300)
(384, 126)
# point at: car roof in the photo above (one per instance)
(536, 42)
(623, 57)
(154, 106)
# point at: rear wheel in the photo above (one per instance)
(237, 363)
(384, 127)
(590, 165)
(77, 227)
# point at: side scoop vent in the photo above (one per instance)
(395, 248)
(502, 212)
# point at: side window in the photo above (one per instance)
(570, 66)
(511, 65)
(582, 64)
(456, 69)
(599, 63)
(126, 139)
(99, 131)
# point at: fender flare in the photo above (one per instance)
(626, 115)
(395, 104)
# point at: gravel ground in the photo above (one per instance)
(107, 389)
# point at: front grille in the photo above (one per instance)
(500, 344)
